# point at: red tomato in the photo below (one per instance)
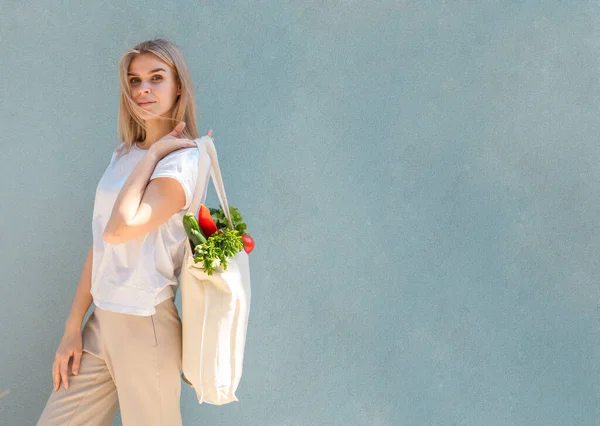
(248, 243)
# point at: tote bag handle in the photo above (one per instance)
(206, 144)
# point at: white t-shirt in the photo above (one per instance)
(135, 276)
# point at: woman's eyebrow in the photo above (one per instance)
(156, 70)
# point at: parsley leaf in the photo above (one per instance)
(220, 219)
(216, 250)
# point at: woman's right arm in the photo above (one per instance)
(71, 342)
(83, 298)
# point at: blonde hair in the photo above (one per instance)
(131, 127)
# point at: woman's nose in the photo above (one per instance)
(144, 88)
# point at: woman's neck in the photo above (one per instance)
(154, 132)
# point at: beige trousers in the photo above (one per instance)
(129, 361)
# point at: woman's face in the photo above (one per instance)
(152, 85)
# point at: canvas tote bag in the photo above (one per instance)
(214, 308)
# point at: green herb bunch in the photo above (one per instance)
(222, 244)
(237, 220)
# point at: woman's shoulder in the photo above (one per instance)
(122, 150)
(181, 159)
(184, 154)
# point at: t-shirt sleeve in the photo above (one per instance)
(181, 165)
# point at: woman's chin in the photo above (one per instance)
(148, 115)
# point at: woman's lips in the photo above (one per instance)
(143, 104)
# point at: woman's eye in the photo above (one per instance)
(135, 79)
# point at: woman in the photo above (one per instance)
(128, 354)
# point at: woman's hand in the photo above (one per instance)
(170, 142)
(70, 345)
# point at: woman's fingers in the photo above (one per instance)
(55, 375)
(178, 129)
(76, 362)
(64, 365)
(209, 134)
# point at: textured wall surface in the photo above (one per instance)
(418, 177)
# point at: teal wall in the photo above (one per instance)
(420, 177)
